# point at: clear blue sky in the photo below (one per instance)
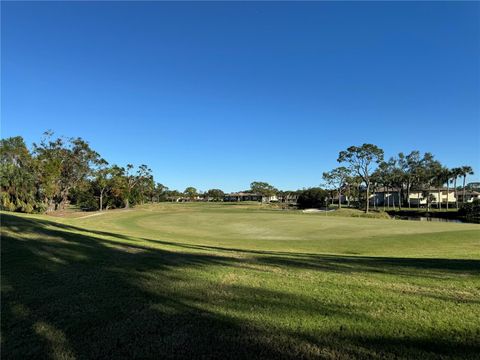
(220, 94)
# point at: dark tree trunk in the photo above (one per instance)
(358, 196)
(367, 200)
(63, 201)
(101, 200)
(428, 200)
(448, 192)
(439, 201)
(456, 192)
(399, 199)
(408, 195)
(50, 205)
(388, 198)
(384, 198)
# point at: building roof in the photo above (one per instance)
(468, 192)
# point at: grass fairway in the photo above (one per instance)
(231, 281)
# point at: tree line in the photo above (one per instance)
(59, 171)
(365, 170)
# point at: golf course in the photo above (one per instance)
(230, 280)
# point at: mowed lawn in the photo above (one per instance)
(230, 281)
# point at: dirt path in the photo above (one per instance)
(87, 216)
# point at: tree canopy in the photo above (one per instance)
(362, 161)
(262, 188)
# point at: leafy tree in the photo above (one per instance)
(129, 182)
(348, 190)
(118, 187)
(105, 189)
(215, 194)
(103, 179)
(135, 186)
(337, 178)
(397, 176)
(428, 174)
(191, 193)
(161, 192)
(262, 188)
(173, 195)
(62, 170)
(49, 159)
(312, 198)
(410, 165)
(353, 185)
(145, 186)
(85, 197)
(329, 186)
(471, 210)
(64, 165)
(18, 180)
(382, 176)
(361, 161)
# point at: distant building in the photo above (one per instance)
(184, 198)
(290, 198)
(470, 195)
(391, 196)
(242, 196)
(247, 196)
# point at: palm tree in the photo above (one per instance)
(444, 176)
(456, 172)
(465, 170)
(447, 174)
(428, 175)
(440, 177)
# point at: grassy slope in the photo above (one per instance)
(239, 281)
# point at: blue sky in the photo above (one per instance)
(221, 94)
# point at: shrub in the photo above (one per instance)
(6, 203)
(26, 208)
(470, 210)
(312, 198)
(373, 214)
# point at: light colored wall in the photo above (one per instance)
(414, 197)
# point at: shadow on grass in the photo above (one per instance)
(67, 294)
(341, 263)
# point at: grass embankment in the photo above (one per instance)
(218, 281)
(349, 212)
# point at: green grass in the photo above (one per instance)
(237, 281)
